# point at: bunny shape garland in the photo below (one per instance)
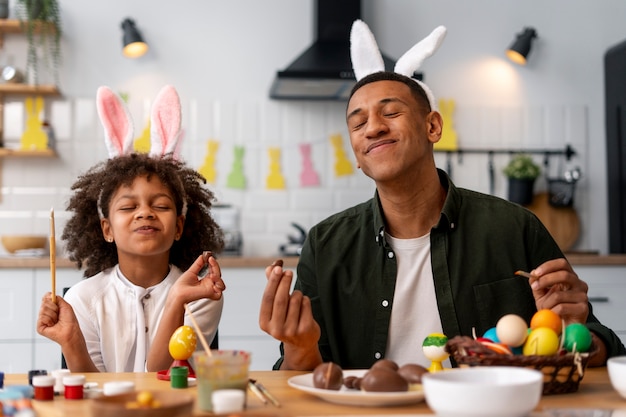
(367, 59)
(165, 122)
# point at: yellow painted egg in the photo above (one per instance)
(182, 343)
(541, 341)
(512, 330)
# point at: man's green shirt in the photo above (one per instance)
(349, 272)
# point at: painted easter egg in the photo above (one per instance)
(434, 347)
(541, 341)
(547, 318)
(576, 338)
(182, 343)
(512, 330)
(492, 335)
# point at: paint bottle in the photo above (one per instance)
(44, 387)
(74, 389)
(178, 376)
(58, 375)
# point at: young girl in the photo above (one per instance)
(139, 221)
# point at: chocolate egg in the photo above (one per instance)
(412, 373)
(328, 375)
(385, 363)
(383, 379)
(352, 382)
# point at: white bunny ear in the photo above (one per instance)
(165, 122)
(414, 57)
(364, 52)
(117, 122)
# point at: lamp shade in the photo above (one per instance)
(519, 50)
(134, 45)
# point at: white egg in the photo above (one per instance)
(512, 330)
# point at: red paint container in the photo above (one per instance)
(74, 387)
(44, 387)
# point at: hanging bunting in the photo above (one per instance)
(275, 179)
(236, 177)
(34, 137)
(308, 175)
(142, 143)
(207, 170)
(343, 166)
(448, 141)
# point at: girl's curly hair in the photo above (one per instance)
(93, 191)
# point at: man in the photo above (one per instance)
(421, 257)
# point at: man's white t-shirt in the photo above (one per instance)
(119, 319)
(414, 314)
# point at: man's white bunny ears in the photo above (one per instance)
(165, 122)
(367, 59)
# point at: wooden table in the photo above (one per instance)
(595, 391)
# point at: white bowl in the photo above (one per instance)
(617, 373)
(483, 391)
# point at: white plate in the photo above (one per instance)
(348, 396)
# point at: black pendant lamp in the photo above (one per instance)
(519, 50)
(134, 45)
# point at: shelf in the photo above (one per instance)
(19, 153)
(21, 88)
(15, 26)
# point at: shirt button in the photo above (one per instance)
(390, 255)
(385, 303)
(378, 355)
(147, 296)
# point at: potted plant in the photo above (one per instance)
(41, 22)
(522, 172)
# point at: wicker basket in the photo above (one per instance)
(561, 373)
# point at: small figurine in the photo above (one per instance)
(434, 349)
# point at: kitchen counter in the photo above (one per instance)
(225, 262)
(577, 258)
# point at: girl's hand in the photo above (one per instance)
(57, 321)
(194, 284)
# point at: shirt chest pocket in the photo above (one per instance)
(495, 299)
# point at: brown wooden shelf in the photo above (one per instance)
(16, 26)
(19, 153)
(21, 88)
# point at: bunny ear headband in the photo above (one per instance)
(367, 59)
(165, 121)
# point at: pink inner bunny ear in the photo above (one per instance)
(165, 123)
(116, 120)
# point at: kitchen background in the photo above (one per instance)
(222, 57)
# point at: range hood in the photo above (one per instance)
(324, 70)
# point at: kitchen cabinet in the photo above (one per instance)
(23, 349)
(23, 284)
(607, 292)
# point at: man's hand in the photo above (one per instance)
(556, 287)
(288, 317)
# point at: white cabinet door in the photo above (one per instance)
(16, 307)
(607, 292)
(16, 357)
(47, 354)
(239, 326)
